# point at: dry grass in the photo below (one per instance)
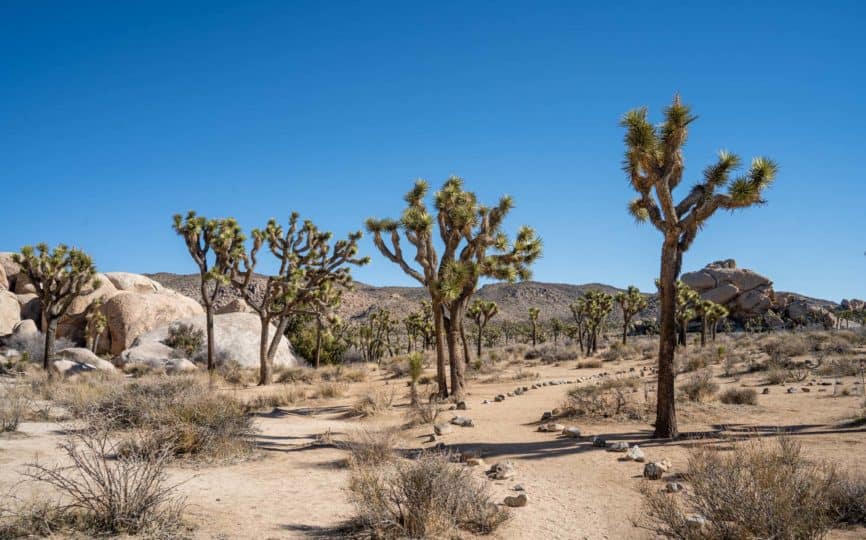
(15, 405)
(613, 398)
(423, 413)
(430, 497)
(757, 490)
(330, 390)
(700, 386)
(373, 402)
(739, 396)
(281, 396)
(584, 364)
(370, 447)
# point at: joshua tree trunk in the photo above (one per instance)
(703, 331)
(625, 325)
(466, 357)
(666, 416)
(319, 341)
(264, 361)
(50, 333)
(534, 334)
(439, 323)
(478, 343)
(457, 363)
(211, 365)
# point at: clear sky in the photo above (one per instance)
(115, 115)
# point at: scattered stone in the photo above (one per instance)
(462, 421)
(696, 523)
(673, 487)
(766, 391)
(475, 462)
(501, 471)
(618, 446)
(499, 397)
(546, 415)
(635, 454)
(535, 387)
(653, 471)
(804, 389)
(791, 390)
(516, 501)
(571, 432)
(551, 427)
(509, 394)
(442, 429)
(461, 406)
(518, 487)
(485, 402)
(598, 442)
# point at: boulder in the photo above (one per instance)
(4, 281)
(236, 336)
(501, 471)
(442, 428)
(236, 305)
(571, 433)
(25, 328)
(31, 307)
(516, 501)
(153, 353)
(103, 291)
(131, 314)
(179, 365)
(80, 355)
(68, 368)
(10, 312)
(653, 471)
(126, 281)
(23, 285)
(635, 454)
(617, 446)
(723, 294)
(745, 293)
(10, 269)
(551, 428)
(462, 421)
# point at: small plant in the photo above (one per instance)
(185, 338)
(700, 386)
(416, 367)
(739, 396)
(330, 390)
(14, 406)
(282, 395)
(372, 446)
(612, 398)
(584, 364)
(372, 403)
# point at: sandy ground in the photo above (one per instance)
(294, 488)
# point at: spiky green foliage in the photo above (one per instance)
(59, 276)
(312, 274)
(95, 324)
(416, 367)
(215, 246)
(473, 246)
(688, 306)
(591, 312)
(376, 335)
(534, 313)
(710, 314)
(631, 302)
(481, 311)
(557, 327)
(654, 165)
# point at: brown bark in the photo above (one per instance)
(264, 361)
(666, 416)
(319, 341)
(211, 365)
(48, 354)
(439, 324)
(456, 363)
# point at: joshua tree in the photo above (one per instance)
(58, 276)
(416, 366)
(578, 311)
(556, 328)
(688, 306)
(596, 305)
(95, 324)
(481, 312)
(709, 313)
(654, 163)
(222, 238)
(534, 312)
(309, 280)
(468, 233)
(713, 315)
(632, 302)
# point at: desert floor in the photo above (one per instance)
(294, 485)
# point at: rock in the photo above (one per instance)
(696, 523)
(598, 442)
(673, 487)
(126, 281)
(745, 293)
(31, 307)
(461, 406)
(556, 412)
(80, 355)
(516, 501)
(23, 285)
(635, 454)
(4, 281)
(665, 464)
(499, 397)
(236, 336)
(501, 471)
(546, 415)
(571, 432)
(653, 471)
(68, 368)
(475, 462)
(10, 312)
(25, 329)
(485, 402)
(617, 446)
(518, 487)
(236, 305)
(804, 389)
(153, 353)
(442, 429)
(551, 428)
(462, 421)
(179, 365)
(765, 391)
(131, 315)
(509, 394)
(791, 390)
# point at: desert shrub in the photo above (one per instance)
(14, 406)
(425, 498)
(787, 344)
(103, 495)
(179, 413)
(847, 498)
(841, 366)
(422, 413)
(729, 366)
(593, 363)
(341, 373)
(185, 338)
(700, 386)
(617, 351)
(777, 375)
(372, 402)
(372, 446)
(280, 396)
(525, 375)
(612, 398)
(233, 373)
(32, 346)
(739, 396)
(303, 375)
(695, 360)
(142, 369)
(754, 491)
(330, 390)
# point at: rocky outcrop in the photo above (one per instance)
(131, 314)
(10, 270)
(236, 305)
(853, 303)
(126, 281)
(10, 312)
(745, 293)
(73, 323)
(236, 335)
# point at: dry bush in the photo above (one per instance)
(341, 373)
(525, 375)
(280, 396)
(617, 351)
(14, 407)
(424, 413)
(700, 386)
(373, 402)
(777, 375)
(185, 338)
(841, 366)
(757, 490)
(694, 360)
(235, 374)
(177, 412)
(430, 497)
(369, 447)
(330, 390)
(142, 369)
(595, 363)
(101, 495)
(739, 396)
(786, 344)
(729, 366)
(612, 398)
(302, 375)
(847, 498)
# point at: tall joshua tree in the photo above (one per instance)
(688, 308)
(534, 312)
(631, 302)
(59, 276)
(95, 324)
(711, 319)
(473, 246)
(481, 312)
(654, 165)
(596, 305)
(310, 275)
(215, 245)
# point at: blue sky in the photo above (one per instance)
(115, 115)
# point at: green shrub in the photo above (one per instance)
(700, 387)
(185, 338)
